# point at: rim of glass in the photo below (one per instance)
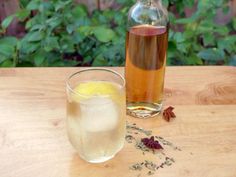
(68, 85)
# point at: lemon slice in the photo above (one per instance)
(88, 90)
(96, 89)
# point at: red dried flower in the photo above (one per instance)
(151, 143)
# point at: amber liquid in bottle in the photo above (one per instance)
(146, 48)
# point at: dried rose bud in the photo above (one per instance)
(151, 143)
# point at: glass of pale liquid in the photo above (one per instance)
(96, 111)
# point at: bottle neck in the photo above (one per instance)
(150, 2)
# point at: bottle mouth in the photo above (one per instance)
(150, 1)
(148, 12)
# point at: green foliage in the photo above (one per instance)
(8, 51)
(7, 21)
(23, 3)
(62, 33)
(198, 39)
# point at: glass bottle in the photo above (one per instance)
(146, 51)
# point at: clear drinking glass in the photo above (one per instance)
(96, 113)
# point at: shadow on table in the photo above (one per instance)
(115, 167)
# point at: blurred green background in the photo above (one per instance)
(65, 33)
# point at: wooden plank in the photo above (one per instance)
(33, 139)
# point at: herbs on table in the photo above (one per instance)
(129, 138)
(153, 146)
(133, 127)
(152, 167)
(167, 143)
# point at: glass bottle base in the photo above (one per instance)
(143, 110)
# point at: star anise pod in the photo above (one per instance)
(168, 113)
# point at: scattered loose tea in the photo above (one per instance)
(151, 173)
(167, 143)
(168, 113)
(129, 138)
(139, 145)
(168, 162)
(150, 165)
(149, 145)
(141, 130)
(136, 167)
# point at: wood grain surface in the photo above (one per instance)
(33, 141)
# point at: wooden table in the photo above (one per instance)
(33, 141)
